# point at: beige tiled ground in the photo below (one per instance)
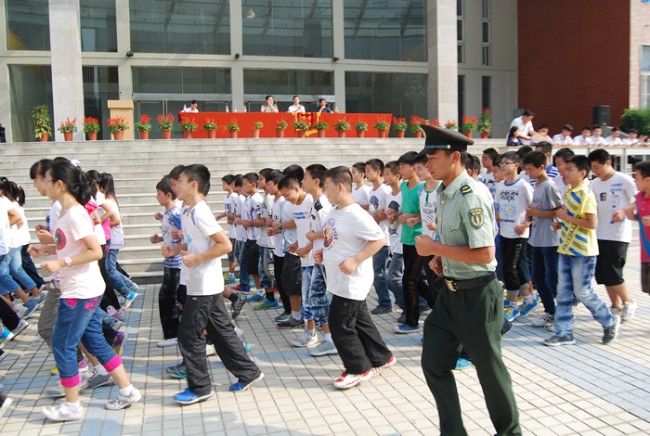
(587, 389)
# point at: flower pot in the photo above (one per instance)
(143, 134)
(341, 133)
(67, 136)
(467, 133)
(212, 134)
(187, 134)
(233, 134)
(301, 133)
(321, 133)
(118, 135)
(92, 136)
(485, 135)
(418, 134)
(166, 134)
(44, 137)
(256, 133)
(279, 133)
(382, 133)
(361, 133)
(400, 133)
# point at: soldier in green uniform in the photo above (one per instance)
(469, 312)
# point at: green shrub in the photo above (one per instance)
(638, 119)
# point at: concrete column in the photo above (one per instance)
(5, 91)
(236, 47)
(67, 79)
(443, 60)
(123, 26)
(338, 51)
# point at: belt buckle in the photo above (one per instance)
(451, 285)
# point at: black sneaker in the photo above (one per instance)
(557, 341)
(402, 318)
(238, 305)
(424, 308)
(282, 317)
(611, 333)
(291, 323)
(505, 328)
(379, 310)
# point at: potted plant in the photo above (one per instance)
(143, 126)
(280, 127)
(436, 122)
(301, 127)
(42, 122)
(68, 128)
(361, 128)
(256, 128)
(91, 128)
(416, 126)
(451, 125)
(485, 123)
(321, 126)
(400, 126)
(117, 126)
(382, 128)
(211, 127)
(233, 128)
(166, 123)
(341, 126)
(188, 126)
(468, 125)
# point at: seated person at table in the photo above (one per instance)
(270, 105)
(322, 106)
(296, 106)
(194, 107)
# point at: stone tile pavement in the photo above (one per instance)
(586, 389)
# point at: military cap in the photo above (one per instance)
(439, 138)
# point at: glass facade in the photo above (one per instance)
(98, 31)
(180, 26)
(100, 85)
(386, 30)
(284, 84)
(301, 28)
(153, 80)
(645, 76)
(31, 85)
(28, 24)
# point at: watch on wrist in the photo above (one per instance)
(68, 262)
(279, 226)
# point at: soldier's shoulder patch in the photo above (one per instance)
(465, 189)
(476, 217)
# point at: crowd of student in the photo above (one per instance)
(321, 239)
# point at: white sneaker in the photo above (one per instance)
(305, 339)
(210, 350)
(346, 381)
(62, 412)
(20, 310)
(324, 348)
(629, 309)
(543, 320)
(167, 343)
(122, 402)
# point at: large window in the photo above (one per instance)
(100, 85)
(180, 26)
(486, 33)
(301, 28)
(645, 76)
(98, 32)
(400, 94)
(486, 91)
(386, 30)
(460, 31)
(28, 25)
(284, 84)
(150, 80)
(31, 85)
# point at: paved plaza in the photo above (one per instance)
(586, 389)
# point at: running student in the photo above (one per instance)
(360, 191)
(229, 206)
(642, 214)
(79, 317)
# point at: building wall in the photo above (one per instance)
(639, 36)
(573, 55)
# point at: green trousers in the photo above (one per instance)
(472, 318)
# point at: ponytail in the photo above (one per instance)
(75, 180)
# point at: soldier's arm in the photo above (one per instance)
(427, 247)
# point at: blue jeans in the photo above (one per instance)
(122, 284)
(17, 271)
(265, 267)
(544, 261)
(80, 320)
(380, 283)
(575, 275)
(244, 277)
(307, 272)
(319, 304)
(394, 276)
(7, 284)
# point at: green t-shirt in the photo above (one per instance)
(411, 205)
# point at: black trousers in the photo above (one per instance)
(436, 283)
(414, 284)
(513, 252)
(210, 313)
(278, 266)
(7, 315)
(357, 340)
(167, 302)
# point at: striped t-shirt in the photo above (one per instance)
(576, 240)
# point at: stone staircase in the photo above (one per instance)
(138, 165)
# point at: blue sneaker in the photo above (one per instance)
(189, 397)
(266, 304)
(178, 372)
(525, 309)
(5, 336)
(40, 299)
(463, 363)
(128, 301)
(229, 278)
(243, 386)
(405, 329)
(511, 313)
(255, 298)
(248, 347)
(31, 307)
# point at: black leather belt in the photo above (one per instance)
(460, 285)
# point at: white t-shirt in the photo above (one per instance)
(265, 211)
(614, 141)
(488, 180)
(394, 202)
(117, 234)
(289, 236)
(100, 199)
(524, 128)
(513, 200)
(182, 279)
(296, 108)
(598, 140)
(53, 216)
(581, 140)
(347, 231)
(560, 139)
(278, 240)
(301, 214)
(229, 207)
(378, 202)
(611, 195)
(240, 231)
(361, 195)
(5, 228)
(198, 225)
(251, 212)
(319, 211)
(20, 235)
(428, 209)
(78, 281)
